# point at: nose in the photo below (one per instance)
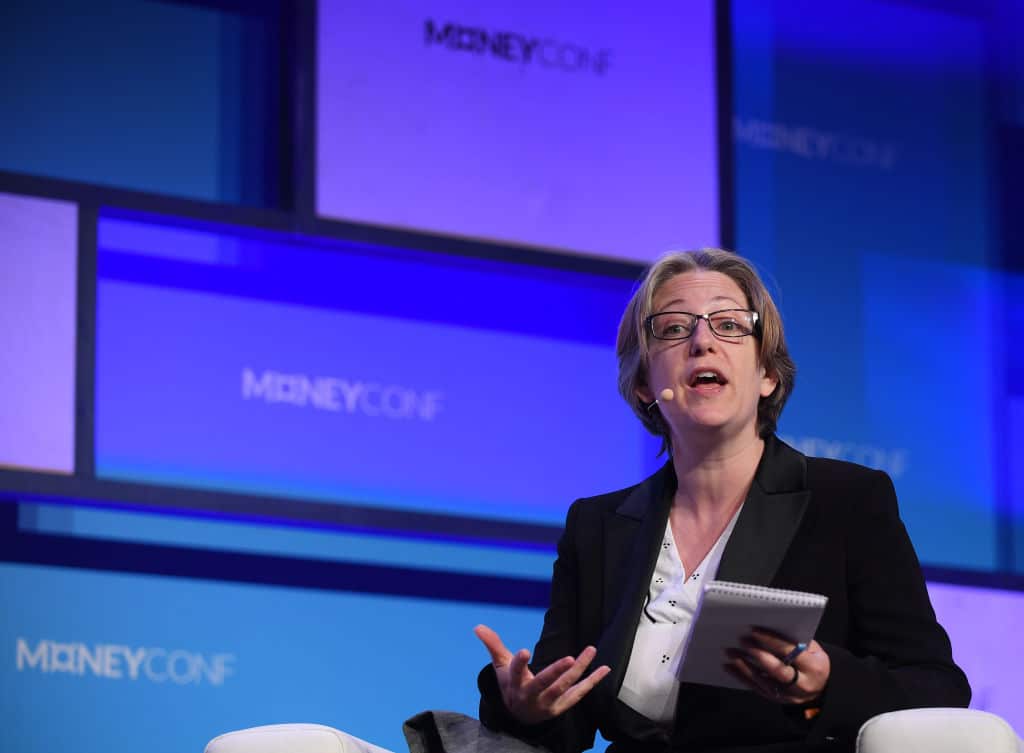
(702, 339)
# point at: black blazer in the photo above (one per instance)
(808, 524)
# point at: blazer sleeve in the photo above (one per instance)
(897, 655)
(572, 731)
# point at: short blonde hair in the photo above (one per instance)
(632, 347)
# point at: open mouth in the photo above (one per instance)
(706, 377)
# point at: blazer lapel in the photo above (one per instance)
(632, 536)
(769, 518)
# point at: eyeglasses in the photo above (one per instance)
(679, 325)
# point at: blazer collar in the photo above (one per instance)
(633, 535)
(770, 516)
(642, 499)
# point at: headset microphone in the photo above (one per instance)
(666, 394)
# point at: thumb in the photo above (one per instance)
(500, 656)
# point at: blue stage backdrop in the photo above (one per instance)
(477, 389)
(863, 177)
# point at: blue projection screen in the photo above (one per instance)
(864, 172)
(93, 660)
(241, 361)
(586, 127)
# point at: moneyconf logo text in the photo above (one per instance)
(340, 395)
(892, 460)
(114, 661)
(513, 47)
(814, 144)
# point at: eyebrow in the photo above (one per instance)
(723, 298)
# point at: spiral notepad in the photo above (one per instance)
(728, 611)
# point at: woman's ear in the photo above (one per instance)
(768, 383)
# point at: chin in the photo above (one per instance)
(710, 417)
(706, 425)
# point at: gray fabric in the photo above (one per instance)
(451, 732)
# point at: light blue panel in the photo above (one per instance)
(210, 657)
(256, 538)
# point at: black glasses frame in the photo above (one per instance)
(755, 329)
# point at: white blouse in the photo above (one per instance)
(650, 686)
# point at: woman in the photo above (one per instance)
(703, 363)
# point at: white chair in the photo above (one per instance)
(936, 730)
(290, 738)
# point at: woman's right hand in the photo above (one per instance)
(536, 698)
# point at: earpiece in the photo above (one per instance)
(667, 394)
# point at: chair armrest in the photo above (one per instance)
(290, 738)
(938, 730)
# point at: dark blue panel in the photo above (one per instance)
(863, 178)
(178, 99)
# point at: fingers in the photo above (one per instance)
(743, 668)
(772, 666)
(767, 662)
(500, 656)
(773, 642)
(759, 665)
(576, 692)
(558, 687)
(519, 669)
(559, 684)
(559, 677)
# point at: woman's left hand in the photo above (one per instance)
(759, 664)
